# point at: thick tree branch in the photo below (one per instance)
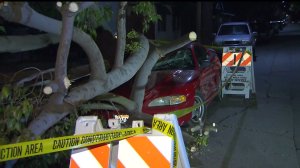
(192, 36)
(22, 13)
(63, 51)
(122, 74)
(141, 79)
(14, 44)
(121, 36)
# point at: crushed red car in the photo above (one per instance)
(181, 79)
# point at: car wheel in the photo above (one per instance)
(198, 115)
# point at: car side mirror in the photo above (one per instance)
(214, 34)
(254, 33)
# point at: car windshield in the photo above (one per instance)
(234, 30)
(178, 60)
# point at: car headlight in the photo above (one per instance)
(168, 100)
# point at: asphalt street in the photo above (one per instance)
(264, 131)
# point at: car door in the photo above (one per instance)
(209, 78)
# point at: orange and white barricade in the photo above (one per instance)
(238, 71)
(151, 150)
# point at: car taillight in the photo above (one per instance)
(168, 100)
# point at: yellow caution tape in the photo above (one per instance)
(39, 147)
(185, 111)
(167, 128)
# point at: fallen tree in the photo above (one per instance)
(65, 100)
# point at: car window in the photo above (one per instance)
(233, 30)
(178, 60)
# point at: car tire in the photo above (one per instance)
(199, 114)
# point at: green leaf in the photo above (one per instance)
(18, 127)
(26, 106)
(91, 18)
(5, 92)
(11, 124)
(147, 10)
(3, 140)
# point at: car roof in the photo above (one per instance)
(235, 23)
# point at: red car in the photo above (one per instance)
(182, 78)
(179, 80)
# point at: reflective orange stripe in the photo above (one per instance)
(120, 165)
(225, 56)
(238, 57)
(245, 62)
(150, 154)
(73, 164)
(101, 153)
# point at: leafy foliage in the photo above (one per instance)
(15, 111)
(58, 159)
(132, 42)
(91, 18)
(147, 10)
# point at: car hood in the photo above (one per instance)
(233, 37)
(170, 78)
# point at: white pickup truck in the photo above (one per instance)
(235, 34)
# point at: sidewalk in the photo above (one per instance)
(265, 135)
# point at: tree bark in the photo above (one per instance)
(15, 44)
(121, 36)
(22, 13)
(62, 56)
(114, 78)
